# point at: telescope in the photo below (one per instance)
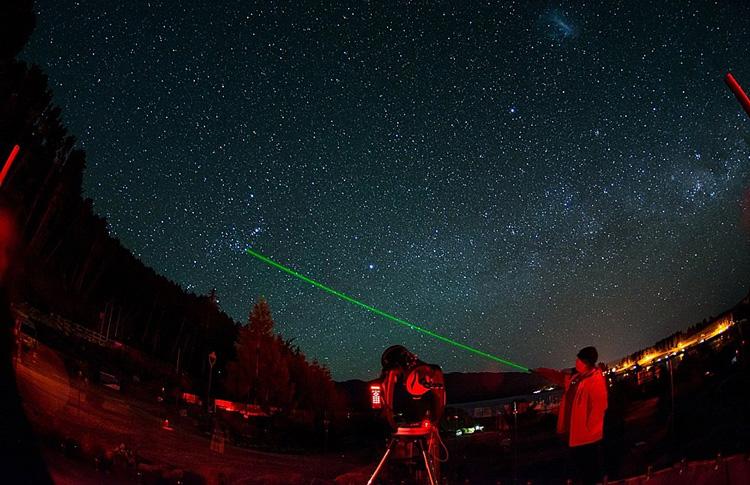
(411, 395)
(413, 392)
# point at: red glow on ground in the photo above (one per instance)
(738, 92)
(8, 163)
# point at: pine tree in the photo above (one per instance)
(260, 374)
(245, 369)
(260, 321)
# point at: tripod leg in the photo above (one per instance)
(382, 462)
(427, 465)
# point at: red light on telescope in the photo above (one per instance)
(376, 396)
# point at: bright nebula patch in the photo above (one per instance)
(558, 26)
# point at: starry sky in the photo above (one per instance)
(527, 177)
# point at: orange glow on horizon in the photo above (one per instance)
(719, 327)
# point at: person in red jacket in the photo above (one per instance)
(581, 416)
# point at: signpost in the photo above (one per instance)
(211, 362)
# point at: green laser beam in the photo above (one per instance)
(384, 314)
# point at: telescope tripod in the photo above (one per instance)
(419, 437)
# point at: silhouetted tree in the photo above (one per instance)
(260, 321)
(260, 373)
(274, 373)
(73, 266)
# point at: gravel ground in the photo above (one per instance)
(98, 417)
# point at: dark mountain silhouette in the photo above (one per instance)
(479, 386)
(460, 387)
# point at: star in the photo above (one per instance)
(521, 178)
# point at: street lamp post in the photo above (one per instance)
(670, 367)
(211, 362)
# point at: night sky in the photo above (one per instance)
(525, 177)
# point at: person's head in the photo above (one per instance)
(586, 359)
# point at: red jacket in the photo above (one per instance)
(589, 404)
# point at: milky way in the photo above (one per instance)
(522, 178)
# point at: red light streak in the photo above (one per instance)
(8, 163)
(738, 92)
